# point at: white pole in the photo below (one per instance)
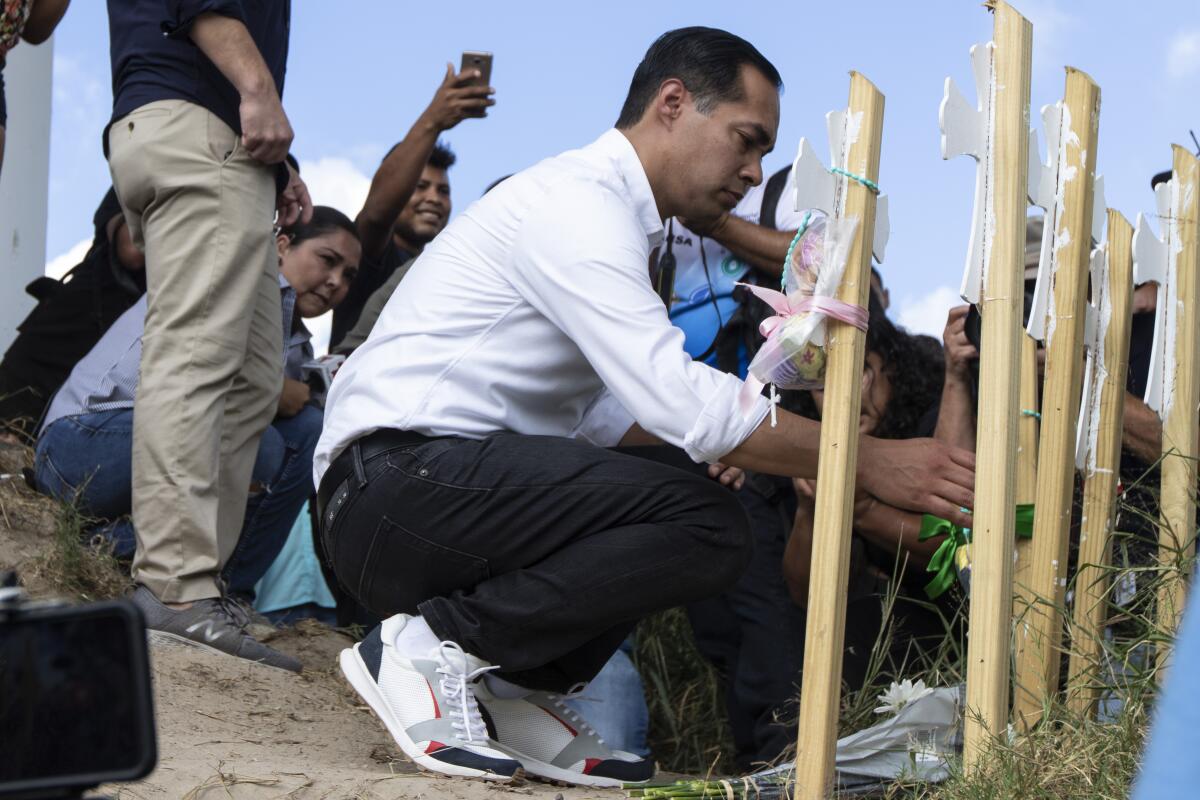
(24, 180)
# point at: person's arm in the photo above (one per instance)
(593, 286)
(956, 413)
(1142, 431)
(266, 132)
(797, 557)
(760, 247)
(397, 176)
(43, 19)
(893, 530)
(922, 475)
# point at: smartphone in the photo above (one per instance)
(472, 59)
(76, 708)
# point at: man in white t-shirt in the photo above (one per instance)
(467, 488)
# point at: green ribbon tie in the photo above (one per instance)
(942, 563)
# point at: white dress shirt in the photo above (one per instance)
(532, 312)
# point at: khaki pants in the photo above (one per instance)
(211, 372)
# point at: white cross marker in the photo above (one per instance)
(1046, 185)
(818, 188)
(967, 131)
(1154, 259)
(1095, 328)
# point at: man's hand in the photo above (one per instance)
(266, 133)
(456, 99)
(959, 351)
(922, 475)
(293, 398)
(294, 203)
(731, 477)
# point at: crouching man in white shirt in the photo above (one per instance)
(465, 486)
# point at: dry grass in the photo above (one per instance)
(689, 730)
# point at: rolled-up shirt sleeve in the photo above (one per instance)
(581, 261)
(181, 14)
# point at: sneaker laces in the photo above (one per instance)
(560, 702)
(456, 683)
(229, 608)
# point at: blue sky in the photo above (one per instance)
(358, 77)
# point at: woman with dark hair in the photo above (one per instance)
(84, 448)
(901, 392)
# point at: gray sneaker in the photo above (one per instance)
(209, 624)
(253, 622)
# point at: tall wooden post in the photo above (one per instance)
(1173, 388)
(1177, 538)
(996, 132)
(859, 137)
(1026, 493)
(1098, 453)
(1077, 118)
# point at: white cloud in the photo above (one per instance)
(1183, 55)
(927, 314)
(335, 181)
(59, 265)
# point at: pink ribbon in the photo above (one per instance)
(785, 307)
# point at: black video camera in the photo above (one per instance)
(76, 709)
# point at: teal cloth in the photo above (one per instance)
(294, 578)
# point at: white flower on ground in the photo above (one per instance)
(898, 695)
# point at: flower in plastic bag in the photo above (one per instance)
(898, 695)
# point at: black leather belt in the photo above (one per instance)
(336, 482)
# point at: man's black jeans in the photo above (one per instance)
(536, 553)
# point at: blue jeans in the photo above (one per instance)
(614, 703)
(87, 459)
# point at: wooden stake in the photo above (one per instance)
(820, 696)
(996, 133)
(1112, 295)
(1025, 704)
(1177, 534)
(1072, 228)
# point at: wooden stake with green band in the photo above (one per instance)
(855, 136)
(1099, 455)
(995, 131)
(1058, 318)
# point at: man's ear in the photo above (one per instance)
(670, 100)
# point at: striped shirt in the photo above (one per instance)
(107, 377)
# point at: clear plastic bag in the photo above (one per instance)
(793, 356)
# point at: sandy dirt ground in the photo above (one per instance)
(229, 728)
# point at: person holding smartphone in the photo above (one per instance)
(409, 200)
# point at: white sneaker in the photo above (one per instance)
(427, 704)
(553, 742)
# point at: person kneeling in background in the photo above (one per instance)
(902, 398)
(84, 447)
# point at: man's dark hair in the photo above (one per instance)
(708, 61)
(442, 157)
